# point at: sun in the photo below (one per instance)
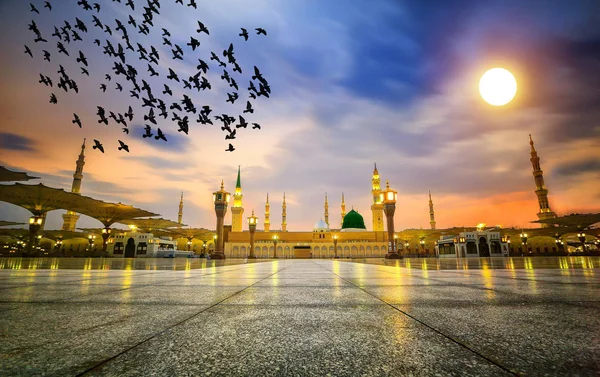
(498, 86)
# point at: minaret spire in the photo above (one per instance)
(377, 206)
(70, 218)
(431, 213)
(284, 215)
(540, 188)
(267, 215)
(326, 210)
(343, 209)
(180, 213)
(237, 211)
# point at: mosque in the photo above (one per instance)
(352, 239)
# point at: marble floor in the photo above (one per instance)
(509, 316)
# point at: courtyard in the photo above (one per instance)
(498, 316)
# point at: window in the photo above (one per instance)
(118, 248)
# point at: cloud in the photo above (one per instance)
(16, 142)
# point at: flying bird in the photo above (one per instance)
(202, 28)
(249, 108)
(244, 34)
(123, 146)
(81, 59)
(98, 146)
(230, 149)
(160, 135)
(76, 120)
(147, 133)
(48, 5)
(255, 126)
(53, 99)
(34, 9)
(260, 30)
(46, 55)
(28, 51)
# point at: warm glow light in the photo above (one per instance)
(498, 86)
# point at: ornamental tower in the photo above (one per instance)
(267, 215)
(180, 213)
(377, 206)
(236, 210)
(540, 189)
(326, 210)
(283, 215)
(70, 218)
(431, 213)
(343, 208)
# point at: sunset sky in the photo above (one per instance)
(353, 83)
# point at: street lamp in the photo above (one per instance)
(221, 200)
(581, 237)
(91, 239)
(35, 223)
(422, 242)
(275, 238)
(252, 221)
(335, 241)
(524, 240)
(189, 245)
(105, 236)
(389, 207)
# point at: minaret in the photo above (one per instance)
(267, 215)
(377, 206)
(540, 189)
(283, 215)
(326, 210)
(70, 218)
(431, 213)
(180, 213)
(343, 210)
(236, 210)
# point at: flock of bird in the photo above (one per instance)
(156, 103)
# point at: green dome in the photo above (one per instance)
(353, 220)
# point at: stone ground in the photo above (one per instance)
(519, 316)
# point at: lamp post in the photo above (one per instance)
(58, 245)
(406, 246)
(422, 242)
(35, 223)
(581, 237)
(524, 240)
(221, 200)
(91, 239)
(275, 238)
(252, 221)
(189, 245)
(389, 207)
(335, 241)
(106, 231)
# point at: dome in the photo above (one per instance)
(353, 220)
(321, 225)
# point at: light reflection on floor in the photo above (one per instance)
(175, 264)
(516, 263)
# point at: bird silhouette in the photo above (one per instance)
(123, 146)
(81, 59)
(255, 126)
(193, 43)
(230, 149)
(231, 135)
(98, 146)
(202, 28)
(244, 34)
(76, 120)
(160, 135)
(53, 99)
(48, 5)
(202, 66)
(147, 133)
(129, 114)
(249, 108)
(28, 51)
(243, 123)
(260, 30)
(102, 115)
(34, 9)
(167, 90)
(84, 71)
(46, 55)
